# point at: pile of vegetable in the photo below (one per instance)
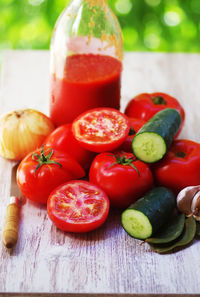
(105, 158)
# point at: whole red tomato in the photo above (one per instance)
(180, 166)
(62, 139)
(42, 171)
(123, 178)
(144, 106)
(135, 125)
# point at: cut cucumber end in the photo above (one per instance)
(136, 224)
(149, 147)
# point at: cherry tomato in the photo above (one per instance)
(145, 106)
(180, 166)
(62, 139)
(135, 125)
(123, 178)
(43, 170)
(78, 206)
(101, 129)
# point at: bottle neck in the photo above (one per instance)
(91, 3)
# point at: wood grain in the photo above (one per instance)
(90, 295)
(105, 261)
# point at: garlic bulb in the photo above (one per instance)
(188, 201)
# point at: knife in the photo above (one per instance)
(11, 226)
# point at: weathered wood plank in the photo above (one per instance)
(105, 261)
(88, 295)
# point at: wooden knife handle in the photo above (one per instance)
(10, 231)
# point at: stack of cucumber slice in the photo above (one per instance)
(148, 214)
(152, 219)
(152, 141)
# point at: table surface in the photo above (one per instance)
(107, 260)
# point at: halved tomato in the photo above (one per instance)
(101, 129)
(78, 206)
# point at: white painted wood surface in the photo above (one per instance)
(105, 261)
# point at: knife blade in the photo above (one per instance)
(11, 226)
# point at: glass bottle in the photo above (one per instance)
(86, 60)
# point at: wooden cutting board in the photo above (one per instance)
(106, 261)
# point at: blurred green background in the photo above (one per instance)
(148, 25)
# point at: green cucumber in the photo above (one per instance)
(171, 231)
(152, 141)
(148, 214)
(197, 228)
(186, 237)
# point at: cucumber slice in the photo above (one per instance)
(149, 147)
(154, 138)
(136, 224)
(148, 214)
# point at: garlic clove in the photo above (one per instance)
(195, 206)
(185, 199)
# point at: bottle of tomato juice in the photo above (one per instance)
(86, 60)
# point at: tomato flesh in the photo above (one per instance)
(101, 129)
(78, 206)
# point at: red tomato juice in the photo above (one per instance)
(89, 81)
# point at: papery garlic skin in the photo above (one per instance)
(22, 131)
(188, 201)
(195, 207)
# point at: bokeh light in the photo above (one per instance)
(35, 2)
(188, 30)
(153, 2)
(130, 37)
(172, 18)
(152, 41)
(123, 6)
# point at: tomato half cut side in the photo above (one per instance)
(101, 129)
(78, 206)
